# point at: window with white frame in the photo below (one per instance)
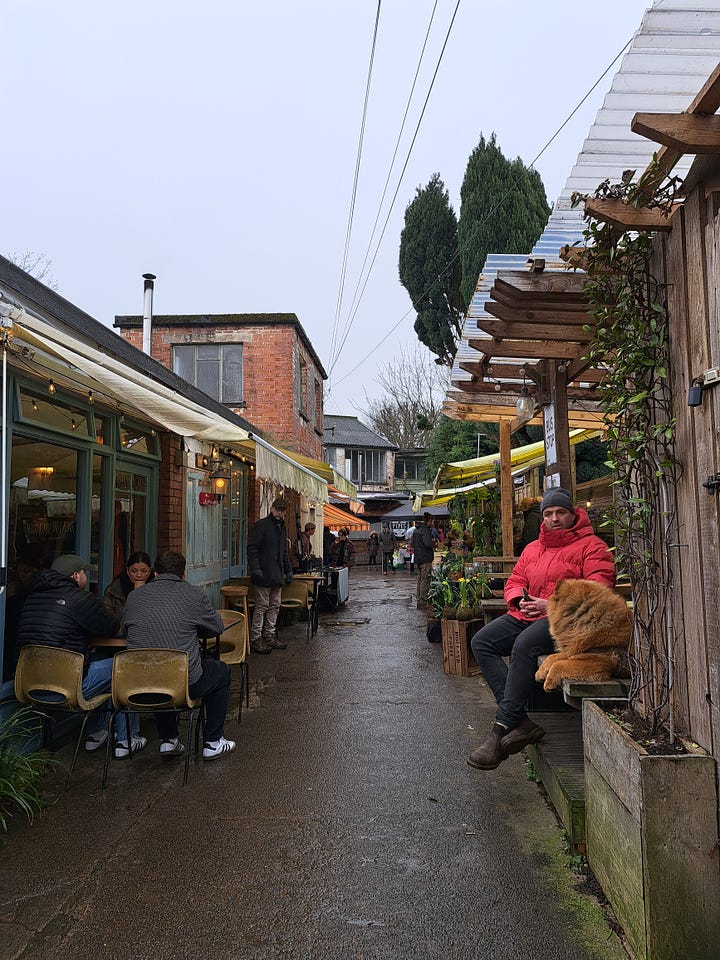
(366, 466)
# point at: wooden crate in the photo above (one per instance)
(458, 659)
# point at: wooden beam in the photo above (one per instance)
(506, 490)
(575, 313)
(503, 330)
(624, 217)
(483, 369)
(542, 286)
(540, 308)
(577, 420)
(530, 349)
(482, 388)
(682, 132)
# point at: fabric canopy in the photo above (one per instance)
(335, 517)
(328, 473)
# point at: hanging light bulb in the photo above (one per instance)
(91, 398)
(34, 404)
(73, 424)
(51, 388)
(524, 406)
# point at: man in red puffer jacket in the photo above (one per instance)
(566, 549)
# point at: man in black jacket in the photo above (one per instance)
(269, 568)
(59, 612)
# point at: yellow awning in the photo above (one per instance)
(328, 473)
(481, 471)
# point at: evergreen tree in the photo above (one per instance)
(430, 270)
(503, 209)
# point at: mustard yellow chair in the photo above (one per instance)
(150, 680)
(296, 595)
(235, 649)
(50, 679)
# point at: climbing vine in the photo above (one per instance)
(630, 342)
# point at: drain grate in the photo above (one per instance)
(344, 623)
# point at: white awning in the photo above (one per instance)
(273, 464)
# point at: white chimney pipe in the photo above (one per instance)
(149, 279)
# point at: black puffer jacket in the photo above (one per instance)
(58, 614)
(267, 553)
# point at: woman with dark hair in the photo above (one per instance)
(138, 570)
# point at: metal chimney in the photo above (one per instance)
(149, 279)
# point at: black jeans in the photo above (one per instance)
(214, 688)
(523, 642)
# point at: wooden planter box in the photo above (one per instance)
(458, 658)
(651, 831)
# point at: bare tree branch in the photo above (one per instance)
(38, 265)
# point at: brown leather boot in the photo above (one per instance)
(524, 733)
(489, 754)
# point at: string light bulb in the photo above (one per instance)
(90, 398)
(34, 404)
(51, 388)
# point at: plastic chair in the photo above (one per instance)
(235, 649)
(50, 678)
(149, 680)
(296, 596)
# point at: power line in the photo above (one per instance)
(351, 213)
(392, 163)
(502, 199)
(397, 189)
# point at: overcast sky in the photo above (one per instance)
(215, 145)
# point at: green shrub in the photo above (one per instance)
(22, 772)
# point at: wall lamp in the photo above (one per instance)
(706, 379)
(219, 480)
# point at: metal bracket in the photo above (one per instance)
(712, 484)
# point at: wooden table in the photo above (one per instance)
(233, 592)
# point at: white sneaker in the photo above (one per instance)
(211, 751)
(96, 740)
(171, 748)
(122, 750)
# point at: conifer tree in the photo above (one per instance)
(503, 209)
(429, 268)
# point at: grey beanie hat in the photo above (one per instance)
(557, 497)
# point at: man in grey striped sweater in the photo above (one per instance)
(172, 615)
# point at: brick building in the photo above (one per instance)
(262, 366)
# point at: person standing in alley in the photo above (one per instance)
(388, 545)
(424, 550)
(269, 568)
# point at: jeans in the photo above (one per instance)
(97, 680)
(423, 584)
(523, 642)
(388, 561)
(267, 607)
(213, 687)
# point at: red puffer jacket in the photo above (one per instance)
(574, 554)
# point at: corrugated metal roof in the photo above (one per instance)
(675, 50)
(341, 431)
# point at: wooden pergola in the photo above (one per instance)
(536, 325)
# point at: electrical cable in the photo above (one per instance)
(392, 162)
(356, 177)
(351, 319)
(502, 199)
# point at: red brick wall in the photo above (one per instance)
(171, 509)
(269, 369)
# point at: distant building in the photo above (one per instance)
(364, 456)
(410, 469)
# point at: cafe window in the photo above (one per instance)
(136, 439)
(214, 368)
(46, 410)
(410, 469)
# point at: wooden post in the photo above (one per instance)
(507, 502)
(557, 431)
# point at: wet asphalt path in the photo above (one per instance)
(346, 826)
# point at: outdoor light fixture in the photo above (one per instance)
(219, 480)
(90, 398)
(524, 406)
(51, 388)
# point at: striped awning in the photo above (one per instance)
(335, 518)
